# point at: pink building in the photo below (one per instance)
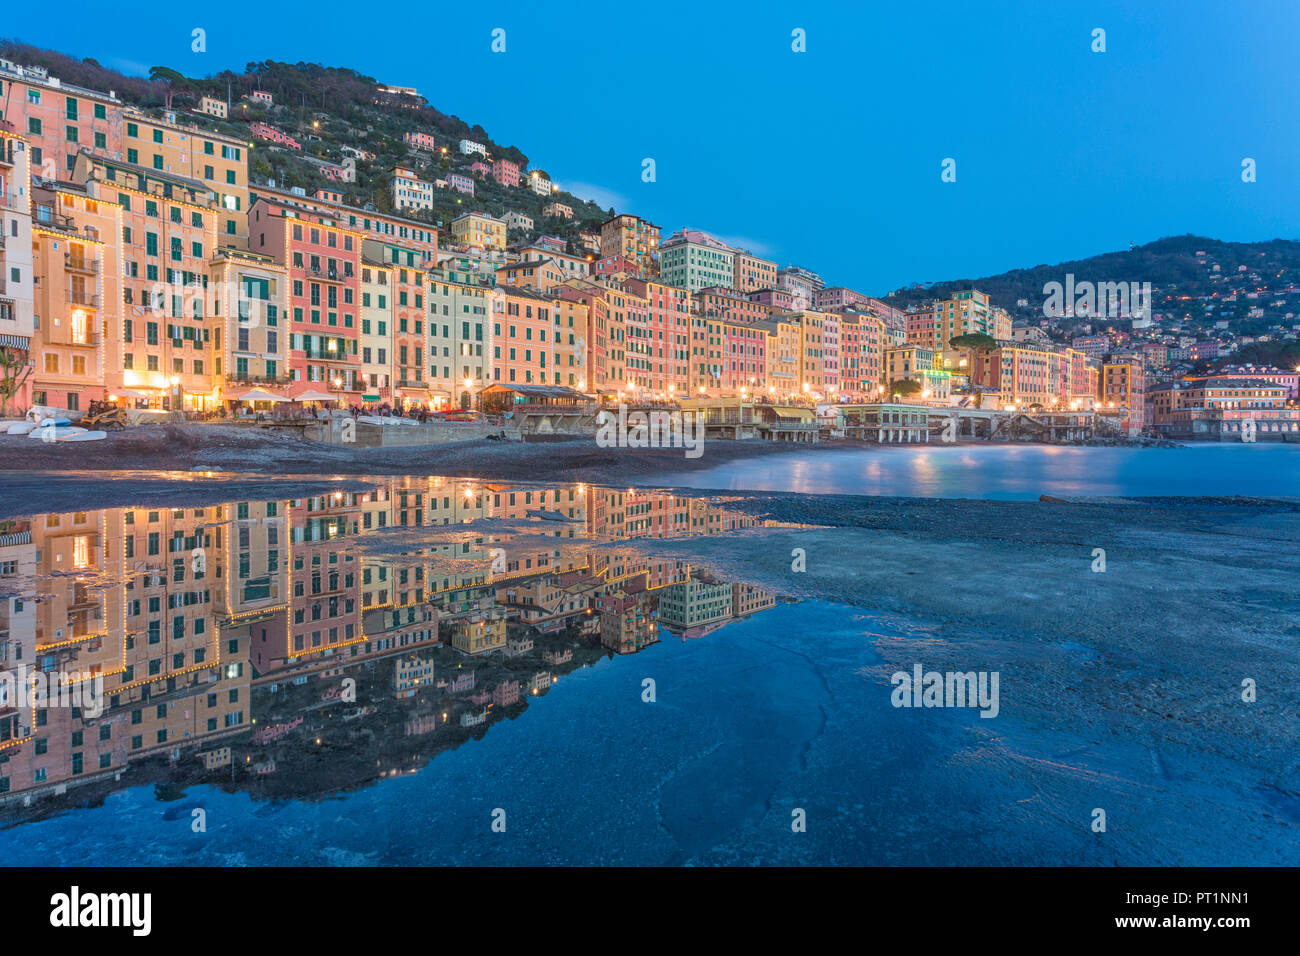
(744, 357)
(505, 694)
(267, 132)
(838, 299)
(481, 168)
(422, 141)
(505, 172)
(462, 184)
(612, 265)
(777, 298)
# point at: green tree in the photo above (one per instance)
(974, 340)
(15, 369)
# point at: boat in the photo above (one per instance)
(80, 435)
(20, 428)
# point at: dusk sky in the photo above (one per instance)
(829, 159)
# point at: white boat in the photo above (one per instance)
(80, 435)
(20, 428)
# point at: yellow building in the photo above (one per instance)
(211, 106)
(481, 632)
(247, 292)
(478, 230)
(810, 349)
(220, 162)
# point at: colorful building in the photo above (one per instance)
(323, 261)
(478, 230)
(410, 192)
(751, 272)
(506, 172)
(695, 260)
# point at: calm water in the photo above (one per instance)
(376, 678)
(1015, 471)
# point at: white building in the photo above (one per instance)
(410, 191)
(540, 183)
(469, 147)
(17, 282)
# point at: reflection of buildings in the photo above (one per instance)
(627, 622)
(185, 614)
(480, 632)
(124, 610)
(698, 606)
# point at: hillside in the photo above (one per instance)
(326, 108)
(1187, 286)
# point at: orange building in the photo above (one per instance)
(77, 299)
(524, 338)
(166, 349)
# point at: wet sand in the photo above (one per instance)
(228, 448)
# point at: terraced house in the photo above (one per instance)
(323, 261)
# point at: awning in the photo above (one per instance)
(15, 342)
(802, 414)
(129, 393)
(259, 395)
(315, 397)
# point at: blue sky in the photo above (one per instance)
(830, 158)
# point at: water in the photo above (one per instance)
(1014, 471)
(298, 634)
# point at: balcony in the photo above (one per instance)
(327, 355)
(81, 264)
(88, 299)
(262, 379)
(329, 275)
